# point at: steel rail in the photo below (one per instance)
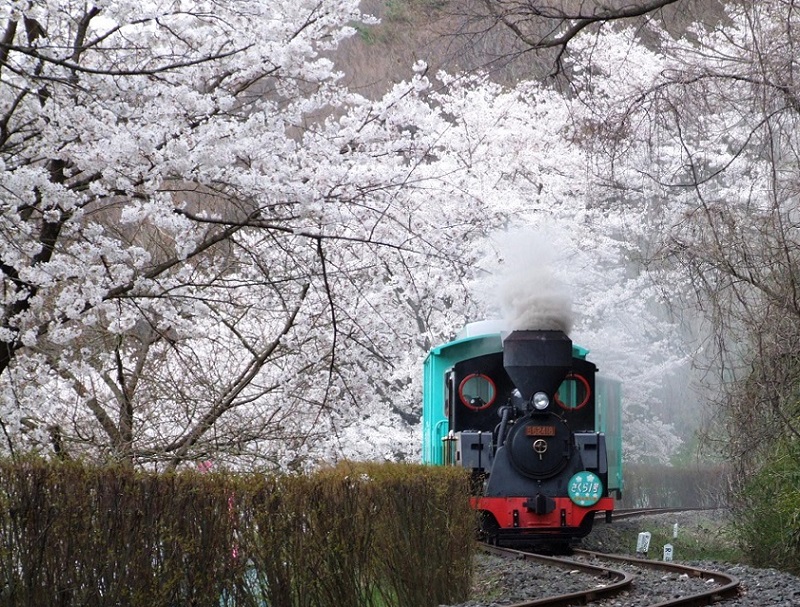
(622, 513)
(620, 580)
(728, 585)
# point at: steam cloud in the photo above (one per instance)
(531, 296)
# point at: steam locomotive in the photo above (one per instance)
(528, 415)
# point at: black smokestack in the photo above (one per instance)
(537, 361)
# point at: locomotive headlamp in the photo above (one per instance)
(541, 401)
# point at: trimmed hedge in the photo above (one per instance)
(357, 535)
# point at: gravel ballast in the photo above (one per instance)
(501, 581)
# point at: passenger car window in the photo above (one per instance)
(477, 391)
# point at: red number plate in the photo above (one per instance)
(540, 431)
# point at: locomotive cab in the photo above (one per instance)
(522, 412)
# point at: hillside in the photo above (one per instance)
(445, 34)
(459, 36)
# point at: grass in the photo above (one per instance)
(700, 536)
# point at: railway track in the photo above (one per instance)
(605, 582)
(623, 513)
(614, 580)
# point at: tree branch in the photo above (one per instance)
(228, 399)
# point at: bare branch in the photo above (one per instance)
(228, 399)
(567, 23)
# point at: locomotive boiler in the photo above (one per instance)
(537, 427)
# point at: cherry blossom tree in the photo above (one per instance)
(196, 220)
(212, 249)
(697, 142)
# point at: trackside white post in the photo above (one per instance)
(643, 543)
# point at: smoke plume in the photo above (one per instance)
(531, 295)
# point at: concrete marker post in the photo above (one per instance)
(643, 543)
